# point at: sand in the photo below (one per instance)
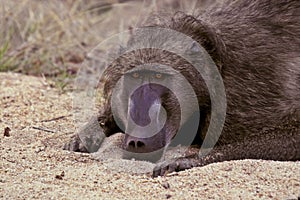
(34, 166)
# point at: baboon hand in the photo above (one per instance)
(177, 165)
(75, 144)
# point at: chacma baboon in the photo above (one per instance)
(255, 45)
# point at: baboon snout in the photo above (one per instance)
(135, 144)
(149, 149)
(144, 144)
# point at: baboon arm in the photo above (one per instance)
(280, 147)
(75, 145)
(88, 139)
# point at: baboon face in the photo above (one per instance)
(152, 94)
(147, 109)
(141, 102)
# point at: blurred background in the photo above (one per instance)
(52, 38)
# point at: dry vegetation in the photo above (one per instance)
(51, 38)
(48, 37)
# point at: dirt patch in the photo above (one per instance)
(36, 120)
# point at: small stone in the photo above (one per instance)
(60, 176)
(6, 132)
(166, 185)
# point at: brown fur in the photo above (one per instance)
(256, 47)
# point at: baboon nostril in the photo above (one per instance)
(131, 144)
(136, 144)
(139, 144)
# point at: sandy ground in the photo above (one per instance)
(33, 165)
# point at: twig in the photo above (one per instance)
(56, 118)
(42, 129)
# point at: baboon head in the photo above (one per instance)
(152, 102)
(154, 94)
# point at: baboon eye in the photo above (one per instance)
(102, 123)
(135, 75)
(158, 75)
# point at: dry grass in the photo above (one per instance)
(51, 38)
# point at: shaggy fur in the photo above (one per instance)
(256, 47)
